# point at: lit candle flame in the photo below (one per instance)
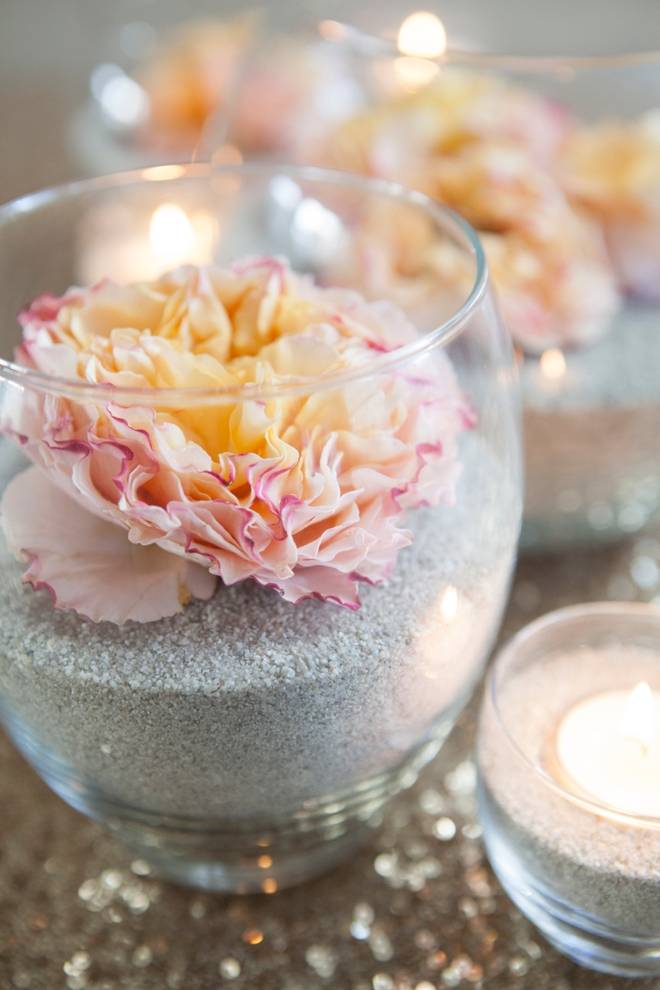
(553, 364)
(171, 234)
(449, 603)
(422, 35)
(638, 722)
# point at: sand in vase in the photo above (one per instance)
(247, 707)
(591, 437)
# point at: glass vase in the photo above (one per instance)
(247, 743)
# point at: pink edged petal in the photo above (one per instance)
(324, 583)
(366, 550)
(87, 563)
(45, 308)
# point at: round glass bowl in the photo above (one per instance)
(248, 743)
(544, 135)
(569, 825)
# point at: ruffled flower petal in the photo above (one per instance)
(88, 564)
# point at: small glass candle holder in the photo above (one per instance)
(569, 781)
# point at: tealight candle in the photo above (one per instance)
(608, 748)
(569, 763)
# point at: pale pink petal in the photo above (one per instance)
(88, 564)
(316, 582)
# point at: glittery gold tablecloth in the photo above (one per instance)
(418, 909)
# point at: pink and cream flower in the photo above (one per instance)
(491, 151)
(132, 507)
(613, 170)
(458, 109)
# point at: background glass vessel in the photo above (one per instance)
(591, 401)
(247, 743)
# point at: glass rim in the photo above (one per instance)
(440, 335)
(360, 42)
(507, 654)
